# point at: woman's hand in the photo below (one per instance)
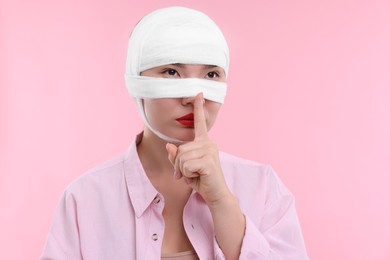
(198, 161)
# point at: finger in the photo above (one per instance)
(172, 154)
(200, 125)
(189, 155)
(193, 168)
(183, 157)
(191, 146)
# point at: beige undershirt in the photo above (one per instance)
(186, 255)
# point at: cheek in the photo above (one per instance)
(151, 108)
(213, 109)
(214, 106)
(158, 107)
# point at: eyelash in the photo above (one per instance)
(216, 74)
(166, 71)
(169, 70)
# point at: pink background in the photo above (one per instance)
(309, 93)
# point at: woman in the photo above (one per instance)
(173, 194)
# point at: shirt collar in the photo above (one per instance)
(140, 189)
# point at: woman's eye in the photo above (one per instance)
(171, 72)
(212, 75)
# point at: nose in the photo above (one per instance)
(188, 100)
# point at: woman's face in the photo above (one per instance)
(164, 113)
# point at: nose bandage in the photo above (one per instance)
(168, 36)
(150, 87)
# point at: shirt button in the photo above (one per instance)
(157, 199)
(154, 237)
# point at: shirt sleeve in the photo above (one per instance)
(277, 235)
(63, 241)
(282, 241)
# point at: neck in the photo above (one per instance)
(154, 158)
(153, 155)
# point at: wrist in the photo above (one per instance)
(226, 201)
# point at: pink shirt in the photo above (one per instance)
(114, 212)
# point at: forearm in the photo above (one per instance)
(229, 225)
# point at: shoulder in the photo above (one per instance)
(234, 164)
(245, 175)
(107, 175)
(256, 186)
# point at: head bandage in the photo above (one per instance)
(149, 87)
(168, 36)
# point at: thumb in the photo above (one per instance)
(172, 152)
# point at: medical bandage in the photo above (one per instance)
(170, 36)
(150, 87)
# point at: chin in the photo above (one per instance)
(183, 134)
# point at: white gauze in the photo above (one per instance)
(168, 36)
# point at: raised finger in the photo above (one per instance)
(200, 125)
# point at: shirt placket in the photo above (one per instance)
(195, 227)
(156, 229)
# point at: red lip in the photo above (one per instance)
(189, 116)
(186, 120)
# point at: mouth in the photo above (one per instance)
(186, 120)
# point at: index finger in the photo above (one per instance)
(200, 125)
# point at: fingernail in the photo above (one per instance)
(204, 101)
